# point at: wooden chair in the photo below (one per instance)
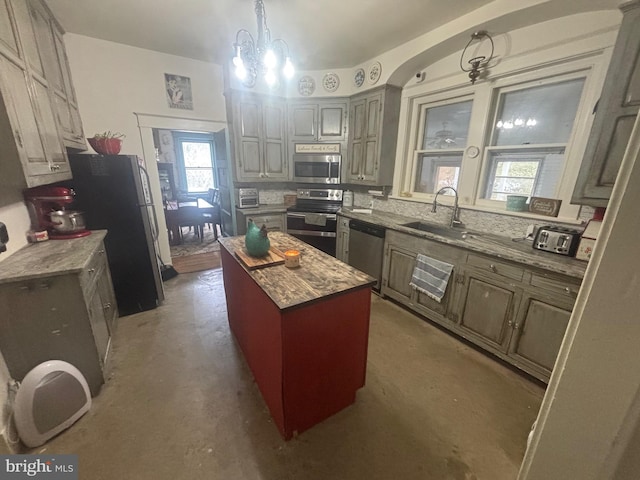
(212, 217)
(192, 216)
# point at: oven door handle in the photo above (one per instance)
(311, 233)
(328, 216)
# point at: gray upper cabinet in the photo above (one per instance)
(373, 134)
(323, 121)
(259, 140)
(35, 155)
(56, 66)
(616, 114)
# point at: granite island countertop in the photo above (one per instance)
(486, 243)
(319, 275)
(53, 257)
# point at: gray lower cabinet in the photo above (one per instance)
(616, 114)
(342, 239)
(538, 330)
(68, 317)
(516, 312)
(486, 307)
(399, 261)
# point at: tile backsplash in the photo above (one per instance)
(497, 223)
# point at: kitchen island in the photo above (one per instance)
(303, 331)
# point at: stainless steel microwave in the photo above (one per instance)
(312, 168)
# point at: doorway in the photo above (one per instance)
(150, 125)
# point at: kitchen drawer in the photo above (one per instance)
(274, 222)
(555, 284)
(92, 271)
(496, 267)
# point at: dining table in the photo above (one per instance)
(175, 215)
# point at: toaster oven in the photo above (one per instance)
(247, 198)
(560, 240)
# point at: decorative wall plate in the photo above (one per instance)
(306, 86)
(331, 82)
(358, 78)
(374, 72)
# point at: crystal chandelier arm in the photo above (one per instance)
(264, 34)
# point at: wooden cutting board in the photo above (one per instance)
(274, 257)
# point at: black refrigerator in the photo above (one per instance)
(113, 192)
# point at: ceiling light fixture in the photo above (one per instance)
(480, 61)
(262, 57)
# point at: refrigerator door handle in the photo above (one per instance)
(155, 233)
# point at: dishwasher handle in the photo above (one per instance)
(368, 228)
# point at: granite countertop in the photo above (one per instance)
(319, 275)
(263, 209)
(53, 257)
(486, 243)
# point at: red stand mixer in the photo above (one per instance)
(47, 208)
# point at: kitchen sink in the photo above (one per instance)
(443, 231)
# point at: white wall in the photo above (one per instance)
(114, 81)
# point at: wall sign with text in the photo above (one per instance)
(317, 148)
(545, 206)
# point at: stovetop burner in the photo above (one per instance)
(317, 200)
(315, 207)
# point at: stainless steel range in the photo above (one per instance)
(313, 218)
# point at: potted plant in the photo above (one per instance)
(106, 143)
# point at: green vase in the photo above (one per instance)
(256, 240)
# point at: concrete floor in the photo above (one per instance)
(180, 403)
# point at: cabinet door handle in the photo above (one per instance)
(91, 270)
(101, 251)
(493, 268)
(18, 138)
(106, 306)
(510, 323)
(516, 326)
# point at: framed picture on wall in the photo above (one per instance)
(178, 91)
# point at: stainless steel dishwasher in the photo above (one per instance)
(366, 249)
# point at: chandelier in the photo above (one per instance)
(480, 61)
(263, 56)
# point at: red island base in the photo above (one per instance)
(308, 361)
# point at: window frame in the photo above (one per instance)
(421, 107)
(193, 137)
(590, 65)
(504, 87)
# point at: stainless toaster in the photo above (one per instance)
(561, 240)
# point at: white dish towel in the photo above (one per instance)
(431, 276)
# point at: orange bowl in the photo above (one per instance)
(105, 146)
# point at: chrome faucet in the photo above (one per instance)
(455, 214)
